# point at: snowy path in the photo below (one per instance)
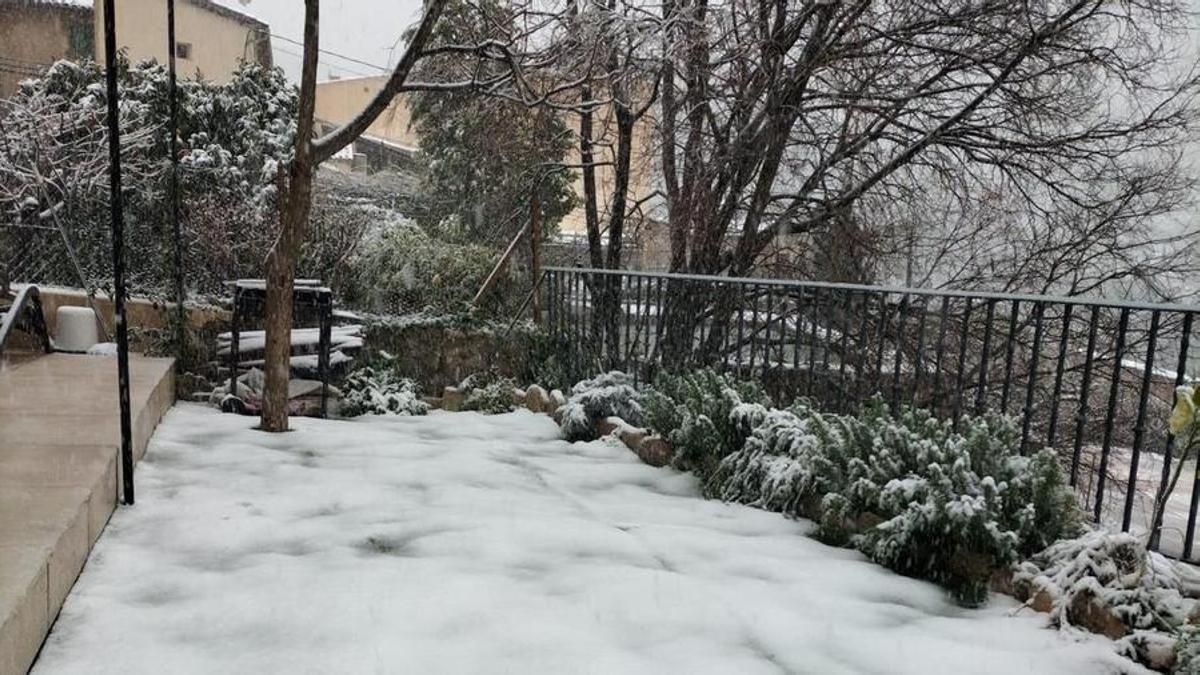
(469, 544)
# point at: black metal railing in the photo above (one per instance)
(1093, 379)
(23, 311)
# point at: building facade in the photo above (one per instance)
(211, 39)
(338, 101)
(36, 33)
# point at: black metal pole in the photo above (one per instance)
(118, 243)
(180, 315)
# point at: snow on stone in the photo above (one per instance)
(471, 544)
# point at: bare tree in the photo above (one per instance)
(780, 118)
(296, 200)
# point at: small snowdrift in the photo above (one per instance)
(459, 543)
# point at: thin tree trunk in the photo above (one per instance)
(296, 202)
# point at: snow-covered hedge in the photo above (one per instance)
(693, 412)
(1109, 583)
(378, 391)
(906, 490)
(488, 392)
(608, 395)
(401, 268)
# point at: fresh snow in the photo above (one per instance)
(462, 543)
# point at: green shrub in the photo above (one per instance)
(609, 395)
(545, 364)
(379, 391)
(488, 393)
(906, 490)
(693, 412)
(400, 268)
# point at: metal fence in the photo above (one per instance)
(1092, 379)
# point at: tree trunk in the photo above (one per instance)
(296, 201)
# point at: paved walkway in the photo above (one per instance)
(459, 543)
(59, 440)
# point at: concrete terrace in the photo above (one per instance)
(59, 479)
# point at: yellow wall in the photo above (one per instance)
(34, 36)
(339, 100)
(218, 42)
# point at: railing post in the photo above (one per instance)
(1085, 385)
(1110, 416)
(117, 212)
(1039, 310)
(1139, 426)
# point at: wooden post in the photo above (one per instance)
(498, 269)
(535, 250)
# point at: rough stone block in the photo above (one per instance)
(655, 451)
(537, 400)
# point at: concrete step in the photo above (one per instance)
(60, 480)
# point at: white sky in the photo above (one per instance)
(364, 30)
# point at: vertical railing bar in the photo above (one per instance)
(767, 333)
(847, 303)
(649, 320)
(1085, 384)
(898, 360)
(1110, 415)
(882, 334)
(985, 357)
(625, 283)
(1139, 425)
(919, 355)
(1059, 370)
(797, 332)
(935, 398)
(863, 341)
(827, 399)
(961, 378)
(1009, 353)
(754, 328)
(1039, 313)
(1180, 376)
(660, 318)
(741, 327)
(812, 341)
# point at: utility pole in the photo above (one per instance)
(173, 191)
(118, 245)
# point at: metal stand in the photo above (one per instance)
(250, 297)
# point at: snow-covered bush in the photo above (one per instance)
(400, 268)
(488, 393)
(693, 412)
(1187, 650)
(1109, 583)
(233, 138)
(611, 394)
(378, 391)
(907, 490)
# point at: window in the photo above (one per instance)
(183, 50)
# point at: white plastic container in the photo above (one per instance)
(77, 330)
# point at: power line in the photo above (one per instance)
(329, 64)
(335, 54)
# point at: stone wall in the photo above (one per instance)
(440, 352)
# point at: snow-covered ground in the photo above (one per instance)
(458, 543)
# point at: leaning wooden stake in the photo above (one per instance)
(499, 268)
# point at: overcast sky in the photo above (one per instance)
(364, 30)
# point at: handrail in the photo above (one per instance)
(27, 299)
(889, 290)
